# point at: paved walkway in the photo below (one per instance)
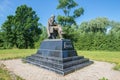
(95, 71)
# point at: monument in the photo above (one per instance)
(58, 55)
(53, 28)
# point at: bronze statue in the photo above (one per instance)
(53, 29)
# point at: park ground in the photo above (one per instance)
(104, 56)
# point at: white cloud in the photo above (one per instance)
(5, 5)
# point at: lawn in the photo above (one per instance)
(107, 56)
(12, 54)
(16, 53)
(7, 75)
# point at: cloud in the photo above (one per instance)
(5, 5)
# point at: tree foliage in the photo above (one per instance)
(96, 25)
(8, 36)
(21, 30)
(42, 37)
(115, 27)
(69, 17)
(1, 39)
(93, 35)
(71, 33)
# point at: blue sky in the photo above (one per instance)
(44, 9)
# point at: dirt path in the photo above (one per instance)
(95, 71)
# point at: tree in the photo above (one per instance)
(71, 33)
(1, 39)
(7, 29)
(93, 36)
(115, 27)
(67, 6)
(22, 30)
(96, 25)
(42, 37)
(68, 19)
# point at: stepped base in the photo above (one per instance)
(58, 56)
(61, 66)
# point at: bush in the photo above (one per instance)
(98, 41)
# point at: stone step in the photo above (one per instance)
(76, 67)
(57, 65)
(45, 63)
(58, 59)
(74, 61)
(65, 71)
(46, 67)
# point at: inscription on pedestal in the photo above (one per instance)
(68, 45)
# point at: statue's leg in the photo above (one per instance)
(58, 28)
(51, 32)
(60, 31)
(48, 32)
(52, 36)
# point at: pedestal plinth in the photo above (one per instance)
(59, 56)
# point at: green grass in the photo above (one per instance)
(103, 78)
(107, 56)
(16, 53)
(13, 54)
(5, 74)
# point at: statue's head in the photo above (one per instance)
(53, 16)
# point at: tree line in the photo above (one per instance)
(23, 30)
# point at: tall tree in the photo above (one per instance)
(96, 25)
(7, 29)
(1, 39)
(69, 17)
(23, 27)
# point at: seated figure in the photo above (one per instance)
(53, 29)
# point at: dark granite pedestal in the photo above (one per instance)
(59, 56)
